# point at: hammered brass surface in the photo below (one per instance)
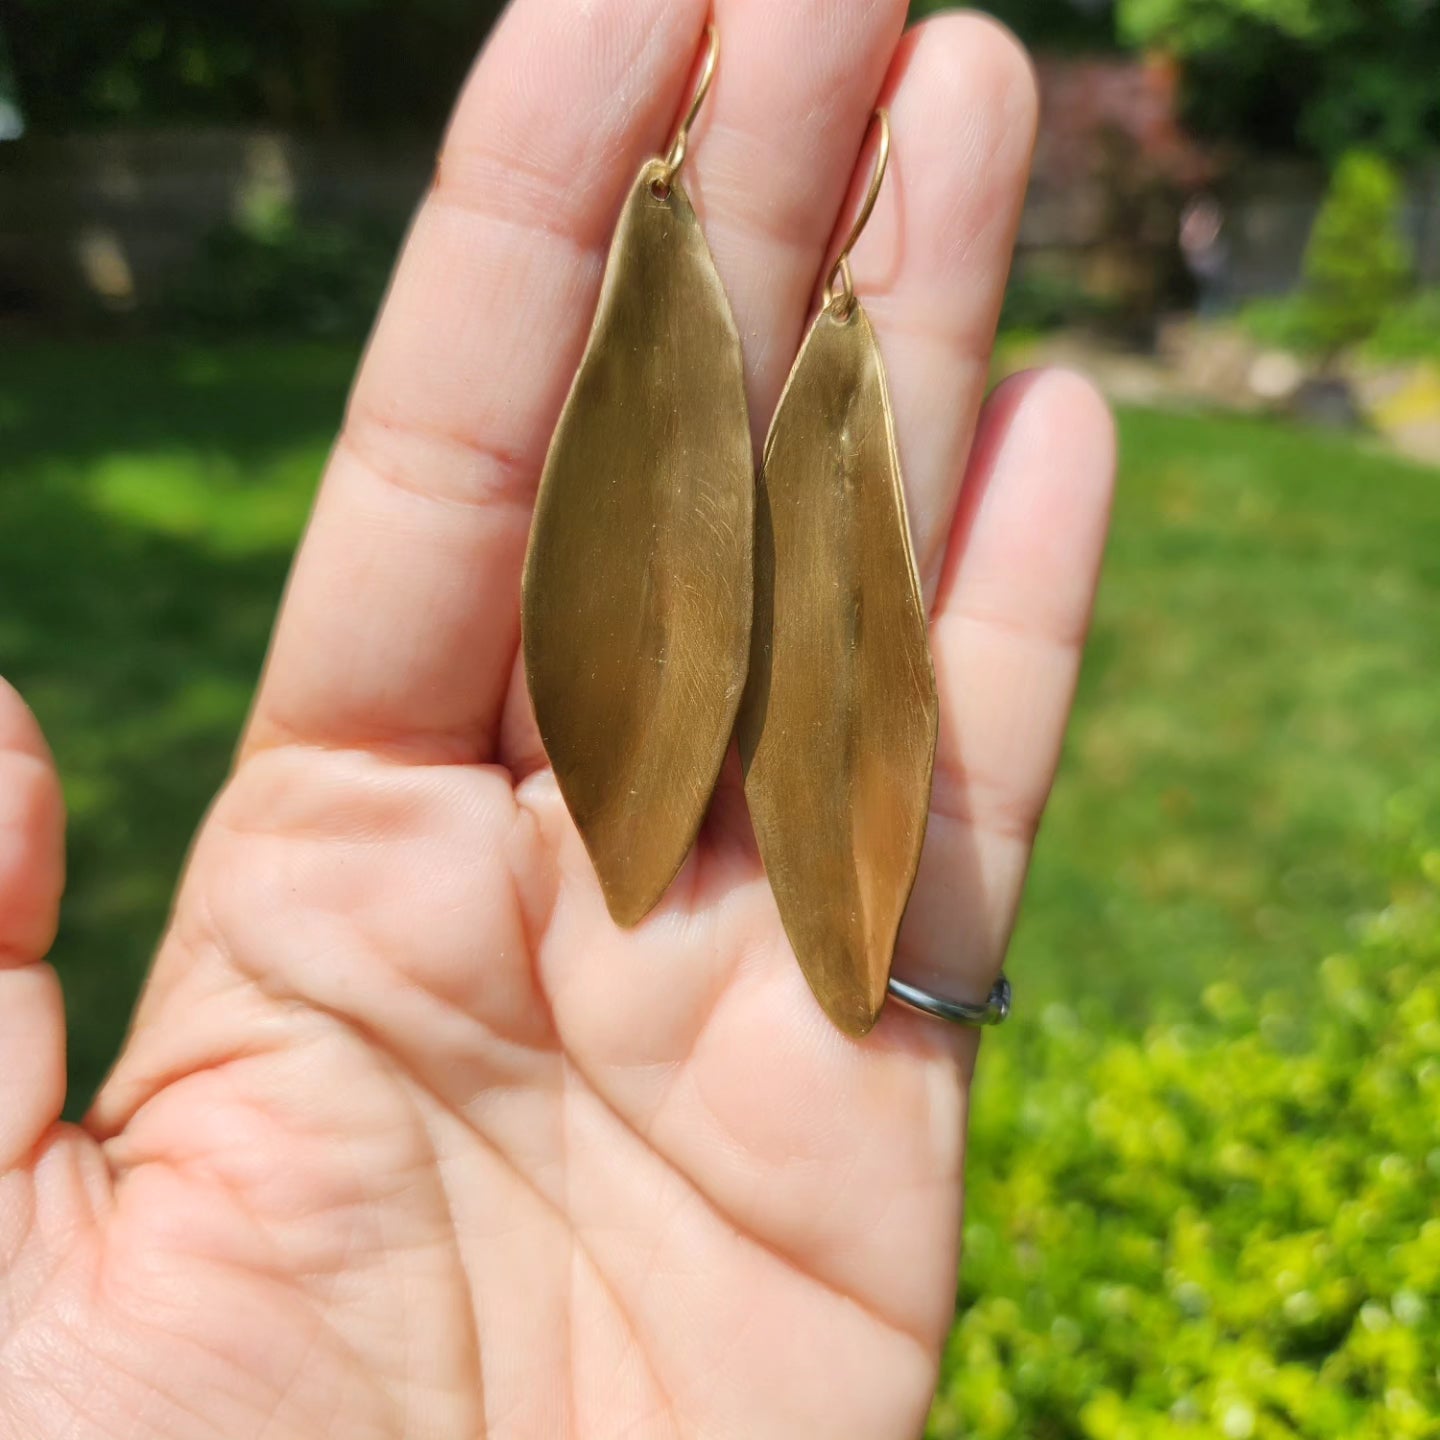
(838, 725)
(638, 579)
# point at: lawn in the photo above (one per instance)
(1256, 719)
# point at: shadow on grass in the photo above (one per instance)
(88, 400)
(149, 501)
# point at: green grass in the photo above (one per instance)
(149, 501)
(1257, 718)
(1258, 710)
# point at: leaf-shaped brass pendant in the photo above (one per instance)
(638, 580)
(838, 726)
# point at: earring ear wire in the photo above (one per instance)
(680, 145)
(842, 301)
(838, 727)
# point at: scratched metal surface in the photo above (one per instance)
(838, 726)
(638, 579)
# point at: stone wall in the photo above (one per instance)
(1272, 205)
(104, 221)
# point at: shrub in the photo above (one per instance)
(1356, 263)
(1284, 321)
(1410, 331)
(1221, 1228)
(1038, 300)
(286, 276)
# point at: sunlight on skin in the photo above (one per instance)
(408, 1140)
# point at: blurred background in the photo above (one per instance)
(1207, 1151)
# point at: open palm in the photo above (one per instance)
(408, 1139)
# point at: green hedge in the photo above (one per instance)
(1224, 1228)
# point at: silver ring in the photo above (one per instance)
(993, 1012)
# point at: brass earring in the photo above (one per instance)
(838, 726)
(639, 575)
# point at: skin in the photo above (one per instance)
(408, 1140)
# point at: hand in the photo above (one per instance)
(408, 1141)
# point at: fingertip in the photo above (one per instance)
(32, 826)
(620, 66)
(964, 86)
(1054, 408)
(32, 1028)
(32, 1059)
(985, 53)
(1079, 417)
(1076, 394)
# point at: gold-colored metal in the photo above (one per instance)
(838, 726)
(841, 300)
(675, 158)
(639, 576)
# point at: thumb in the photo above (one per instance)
(32, 876)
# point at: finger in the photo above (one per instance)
(402, 614)
(932, 265)
(1015, 598)
(770, 168)
(773, 166)
(32, 1023)
(403, 619)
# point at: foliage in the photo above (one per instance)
(1038, 300)
(151, 496)
(1197, 27)
(1409, 330)
(1284, 322)
(1356, 267)
(1356, 263)
(1221, 1228)
(1323, 75)
(1051, 24)
(1327, 75)
(285, 276)
(306, 64)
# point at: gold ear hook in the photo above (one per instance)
(842, 300)
(676, 156)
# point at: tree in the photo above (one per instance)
(303, 64)
(1046, 24)
(1318, 75)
